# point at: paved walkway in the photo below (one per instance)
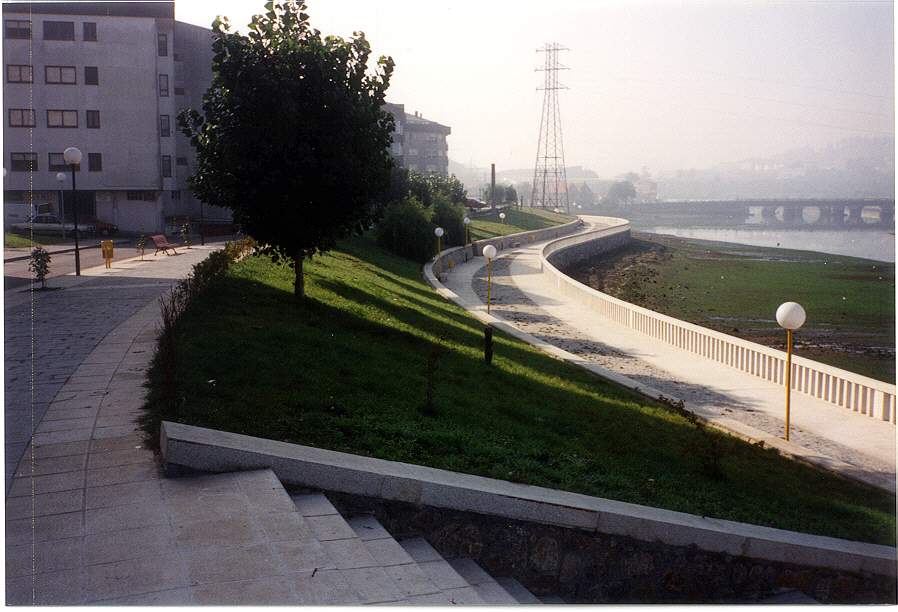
(75, 363)
(524, 297)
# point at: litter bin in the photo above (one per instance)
(106, 247)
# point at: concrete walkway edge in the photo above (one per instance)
(727, 425)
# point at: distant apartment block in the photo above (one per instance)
(110, 79)
(418, 143)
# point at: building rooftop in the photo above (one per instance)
(162, 9)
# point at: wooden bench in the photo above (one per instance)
(162, 244)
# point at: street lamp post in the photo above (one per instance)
(467, 222)
(502, 217)
(60, 178)
(439, 234)
(489, 251)
(790, 316)
(72, 157)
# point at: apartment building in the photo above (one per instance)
(418, 143)
(110, 79)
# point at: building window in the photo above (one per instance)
(141, 196)
(23, 162)
(164, 126)
(162, 44)
(56, 162)
(21, 117)
(89, 30)
(60, 75)
(93, 119)
(94, 162)
(166, 166)
(163, 85)
(175, 195)
(19, 73)
(62, 118)
(91, 75)
(59, 30)
(181, 161)
(179, 91)
(17, 28)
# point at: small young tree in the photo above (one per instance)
(141, 245)
(185, 234)
(40, 265)
(293, 138)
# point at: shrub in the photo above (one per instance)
(40, 265)
(406, 230)
(175, 303)
(450, 217)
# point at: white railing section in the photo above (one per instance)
(854, 392)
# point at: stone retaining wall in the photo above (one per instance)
(590, 567)
(449, 258)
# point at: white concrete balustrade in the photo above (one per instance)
(851, 391)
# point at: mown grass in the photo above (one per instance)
(516, 220)
(12, 240)
(347, 371)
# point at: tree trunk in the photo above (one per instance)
(299, 285)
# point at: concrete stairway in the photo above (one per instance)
(376, 568)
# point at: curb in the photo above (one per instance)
(71, 250)
(209, 450)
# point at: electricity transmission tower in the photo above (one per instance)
(549, 174)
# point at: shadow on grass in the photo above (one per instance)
(254, 361)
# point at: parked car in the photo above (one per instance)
(51, 224)
(103, 228)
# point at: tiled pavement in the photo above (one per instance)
(49, 338)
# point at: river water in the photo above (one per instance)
(868, 243)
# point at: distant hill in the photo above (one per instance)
(852, 168)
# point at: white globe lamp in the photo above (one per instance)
(72, 156)
(790, 316)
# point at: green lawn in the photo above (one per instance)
(22, 241)
(348, 372)
(736, 289)
(516, 220)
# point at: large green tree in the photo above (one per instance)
(293, 138)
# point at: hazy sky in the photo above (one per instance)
(666, 85)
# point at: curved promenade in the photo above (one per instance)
(734, 384)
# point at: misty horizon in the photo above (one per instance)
(651, 84)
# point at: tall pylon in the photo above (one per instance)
(549, 174)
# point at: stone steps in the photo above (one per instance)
(380, 569)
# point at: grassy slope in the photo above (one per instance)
(517, 220)
(847, 299)
(347, 372)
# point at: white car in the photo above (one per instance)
(46, 223)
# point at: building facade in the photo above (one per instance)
(110, 79)
(418, 143)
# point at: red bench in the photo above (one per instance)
(162, 244)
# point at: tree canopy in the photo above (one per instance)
(621, 192)
(293, 138)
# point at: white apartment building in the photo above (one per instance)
(109, 78)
